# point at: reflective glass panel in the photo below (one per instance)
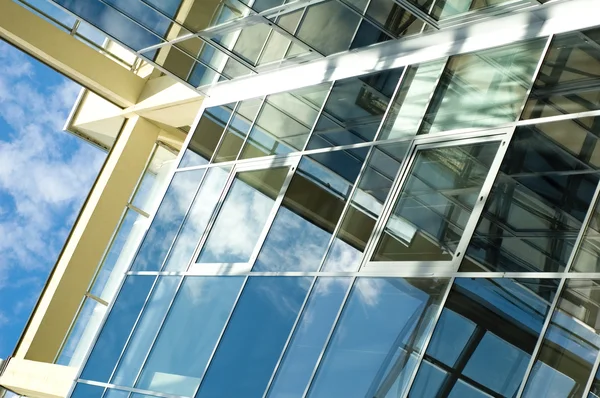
(570, 345)
(365, 207)
(310, 211)
(537, 203)
(382, 326)
(284, 122)
(145, 331)
(354, 110)
(189, 335)
(588, 254)
(445, 9)
(309, 337)
(206, 136)
(197, 219)
(483, 89)
(328, 27)
(394, 18)
(167, 221)
(117, 328)
(112, 393)
(237, 130)
(87, 391)
(484, 339)
(254, 338)
(568, 79)
(243, 216)
(435, 203)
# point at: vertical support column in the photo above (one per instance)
(87, 242)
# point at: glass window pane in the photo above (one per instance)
(365, 207)
(435, 203)
(284, 122)
(145, 331)
(309, 337)
(87, 391)
(254, 338)
(485, 337)
(570, 346)
(537, 203)
(112, 393)
(154, 179)
(328, 27)
(483, 89)
(354, 110)
(82, 333)
(238, 128)
(167, 221)
(206, 136)
(197, 220)
(394, 18)
(381, 328)
(115, 331)
(310, 211)
(568, 79)
(243, 216)
(189, 335)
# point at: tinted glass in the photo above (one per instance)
(434, 205)
(254, 337)
(570, 345)
(167, 221)
(365, 207)
(117, 328)
(588, 254)
(537, 203)
(87, 391)
(484, 339)
(237, 130)
(145, 331)
(309, 337)
(243, 216)
(310, 211)
(381, 328)
(181, 352)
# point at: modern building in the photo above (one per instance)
(324, 199)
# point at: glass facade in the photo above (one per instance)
(427, 230)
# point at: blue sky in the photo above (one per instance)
(45, 176)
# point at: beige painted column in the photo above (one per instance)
(85, 246)
(65, 53)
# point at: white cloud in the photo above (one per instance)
(44, 173)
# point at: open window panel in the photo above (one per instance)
(428, 219)
(243, 217)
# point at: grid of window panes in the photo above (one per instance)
(202, 43)
(421, 232)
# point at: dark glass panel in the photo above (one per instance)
(381, 328)
(484, 339)
(188, 337)
(435, 203)
(243, 216)
(394, 18)
(537, 203)
(165, 226)
(568, 81)
(254, 338)
(365, 207)
(117, 328)
(284, 122)
(87, 391)
(111, 21)
(588, 254)
(309, 337)
(570, 346)
(206, 136)
(238, 128)
(354, 110)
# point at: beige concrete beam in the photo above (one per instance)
(37, 379)
(68, 55)
(89, 238)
